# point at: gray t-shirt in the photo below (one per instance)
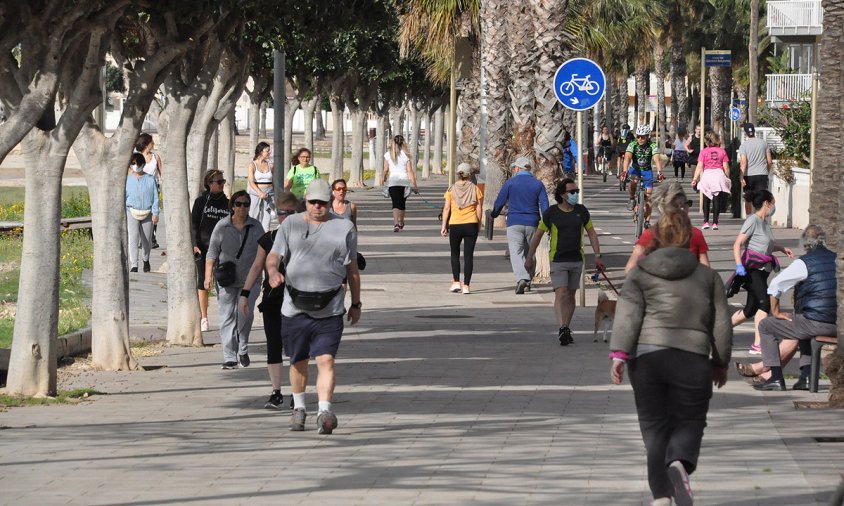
(756, 151)
(761, 238)
(225, 243)
(315, 257)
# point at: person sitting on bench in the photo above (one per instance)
(813, 278)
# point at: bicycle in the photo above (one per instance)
(640, 201)
(583, 84)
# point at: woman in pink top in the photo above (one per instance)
(712, 177)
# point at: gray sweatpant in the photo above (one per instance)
(140, 232)
(235, 327)
(518, 241)
(773, 330)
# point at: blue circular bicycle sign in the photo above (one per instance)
(579, 84)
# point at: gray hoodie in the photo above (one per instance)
(669, 299)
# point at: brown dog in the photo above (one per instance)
(604, 315)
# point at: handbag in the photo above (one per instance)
(140, 214)
(226, 272)
(311, 301)
(361, 262)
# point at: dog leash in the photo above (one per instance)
(604, 274)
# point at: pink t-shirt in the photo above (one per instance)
(713, 157)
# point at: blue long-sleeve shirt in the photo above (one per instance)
(142, 193)
(525, 198)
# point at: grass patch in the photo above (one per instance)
(75, 202)
(74, 396)
(77, 254)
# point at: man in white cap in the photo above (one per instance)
(319, 251)
(526, 200)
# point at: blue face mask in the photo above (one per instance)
(773, 210)
(572, 198)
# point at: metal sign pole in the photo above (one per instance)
(580, 152)
(702, 114)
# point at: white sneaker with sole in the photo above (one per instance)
(466, 290)
(455, 287)
(680, 479)
(203, 324)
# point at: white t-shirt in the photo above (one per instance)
(398, 171)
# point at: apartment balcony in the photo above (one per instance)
(795, 18)
(783, 89)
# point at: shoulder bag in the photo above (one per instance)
(226, 272)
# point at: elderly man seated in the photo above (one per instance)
(813, 278)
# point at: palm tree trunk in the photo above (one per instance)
(439, 125)
(495, 62)
(470, 109)
(719, 78)
(551, 49)
(426, 154)
(753, 60)
(679, 99)
(659, 70)
(641, 92)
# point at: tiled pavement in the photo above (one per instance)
(442, 399)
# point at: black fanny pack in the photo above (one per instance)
(311, 301)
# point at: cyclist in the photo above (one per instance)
(639, 160)
(604, 148)
(622, 141)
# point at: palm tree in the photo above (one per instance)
(827, 201)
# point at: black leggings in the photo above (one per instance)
(680, 168)
(397, 196)
(757, 293)
(715, 203)
(271, 309)
(467, 232)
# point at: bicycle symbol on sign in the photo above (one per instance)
(582, 84)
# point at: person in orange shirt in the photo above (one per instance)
(464, 203)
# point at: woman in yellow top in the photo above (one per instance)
(464, 202)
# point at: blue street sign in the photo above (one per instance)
(579, 84)
(718, 58)
(738, 102)
(735, 114)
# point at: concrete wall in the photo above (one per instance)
(792, 199)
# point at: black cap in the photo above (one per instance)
(749, 129)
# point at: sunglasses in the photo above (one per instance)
(218, 181)
(285, 212)
(573, 192)
(340, 189)
(240, 203)
(318, 202)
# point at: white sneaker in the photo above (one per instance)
(455, 287)
(466, 290)
(680, 479)
(203, 324)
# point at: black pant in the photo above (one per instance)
(672, 389)
(757, 293)
(715, 204)
(270, 308)
(468, 233)
(680, 168)
(397, 197)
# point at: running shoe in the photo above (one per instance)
(455, 287)
(521, 286)
(705, 225)
(396, 227)
(755, 349)
(244, 360)
(714, 226)
(326, 422)
(564, 335)
(297, 420)
(466, 290)
(229, 365)
(276, 400)
(203, 324)
(682, 488)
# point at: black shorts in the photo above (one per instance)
(755, 183)
(397, 196)
(200, 271)
(304, 337)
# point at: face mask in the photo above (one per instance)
(624, 133)
(773, 210)
(572, 198)
(136, 168)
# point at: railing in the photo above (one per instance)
(82, 223)
(784, 88)
(803, 17)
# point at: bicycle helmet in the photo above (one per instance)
(643, 130)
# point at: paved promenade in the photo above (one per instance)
(442, 399)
